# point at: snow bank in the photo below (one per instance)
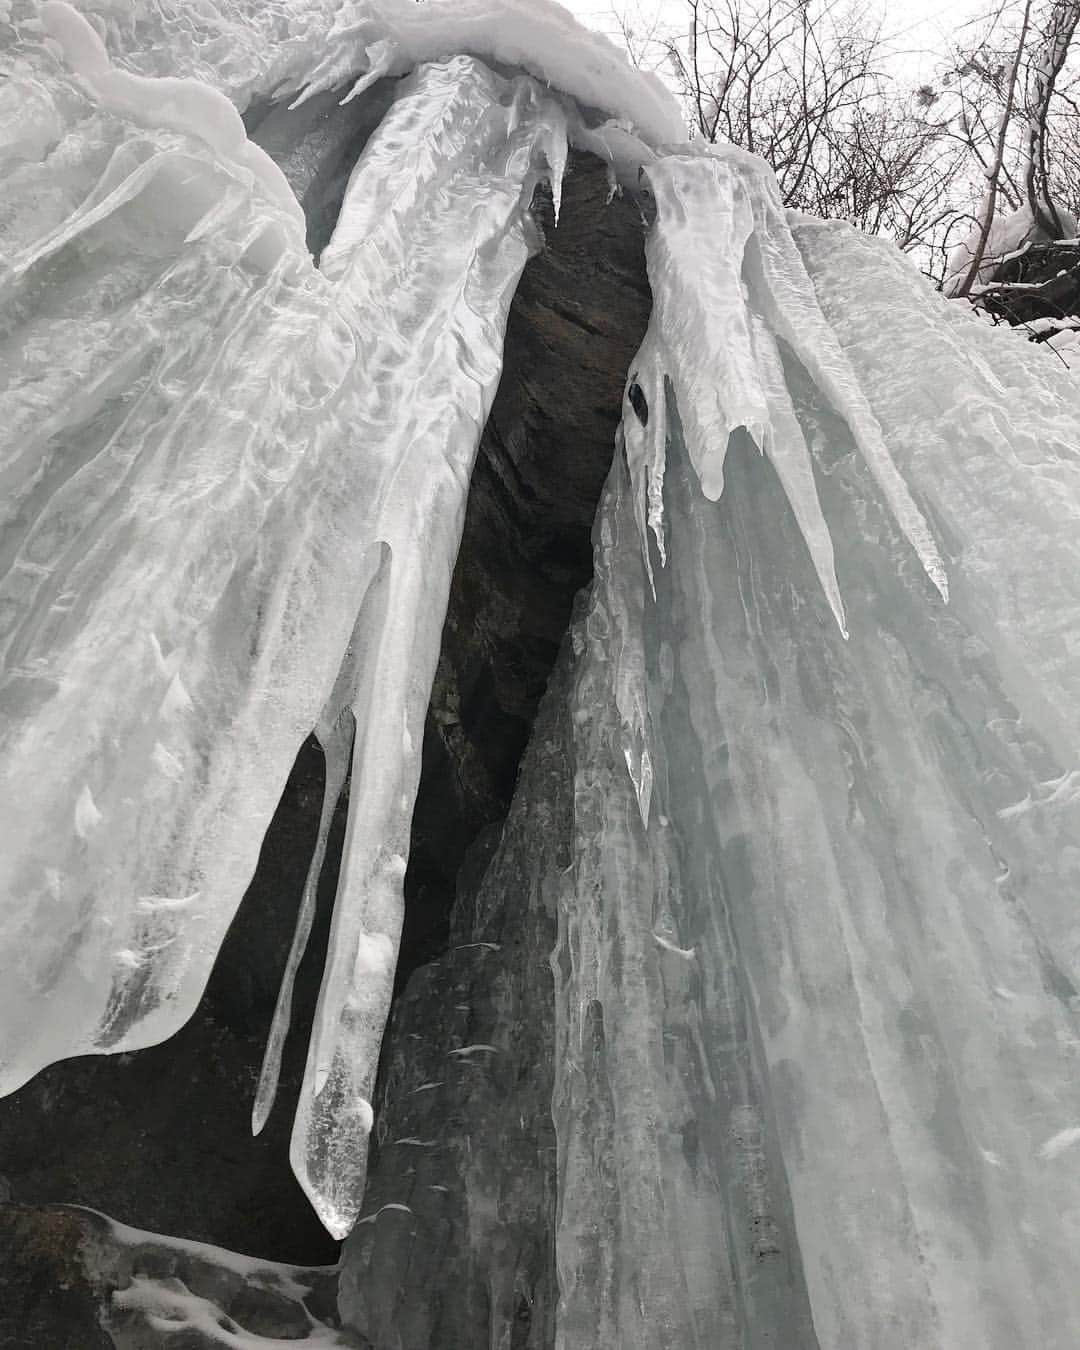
(252, 49)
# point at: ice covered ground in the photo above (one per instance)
(827, 790)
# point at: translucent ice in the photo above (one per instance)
(816, 1060)
(728, 286)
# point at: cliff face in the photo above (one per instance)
(577, 318)
(160, 1138)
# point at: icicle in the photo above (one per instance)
(727, 282)
(336, 733)
(380, 57)
(779, 282)
(700, 316)
(790, 456)
(336, 741)
(334, 1116)
(554, 145)
(447, 113)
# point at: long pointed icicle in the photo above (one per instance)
(337, 743)
(790, 456)
(452, 126)
(728, 284)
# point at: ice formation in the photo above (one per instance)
(233, 511)
(818, 1001)
(816, 980)
(155, 1289)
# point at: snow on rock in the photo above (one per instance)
(1066, 341)
(1010, 233)
(386, 37)
(155, 1290)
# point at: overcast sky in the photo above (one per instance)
(917, 30)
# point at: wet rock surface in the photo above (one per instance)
(79, 1281)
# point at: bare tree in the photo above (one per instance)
(803, 84)
(996, 167)
(1053, 50)
(1009, 102)
(965, 173)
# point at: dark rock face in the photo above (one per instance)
(577, 320)
(1042, 283)
(49, 1298)
(161, 1139)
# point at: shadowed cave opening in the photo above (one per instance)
(160, 1139)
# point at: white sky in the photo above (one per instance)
(916, 30)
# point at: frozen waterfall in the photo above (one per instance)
(816, 1000)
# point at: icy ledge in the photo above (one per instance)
(248, 49)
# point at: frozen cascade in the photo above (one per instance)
(239, 456)
(818, 1009)
(816, 977)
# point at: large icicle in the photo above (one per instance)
(434, 209)
(336, 734)
(728, 283)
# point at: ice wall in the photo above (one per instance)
(818, 960)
